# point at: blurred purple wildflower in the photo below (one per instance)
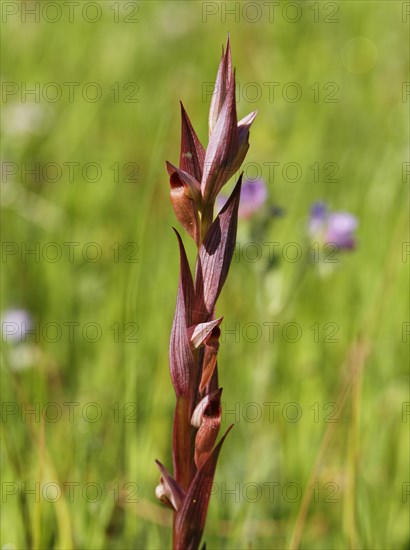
(253, 196)
(333, 227)
(14, 325)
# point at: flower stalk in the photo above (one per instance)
(194, 344)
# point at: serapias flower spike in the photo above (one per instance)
(195, 334)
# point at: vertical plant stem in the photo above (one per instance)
(184, 435)
(206, 219)
(350, 503)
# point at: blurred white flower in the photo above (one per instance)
(26, 118)
(14, 325)
(23, 356)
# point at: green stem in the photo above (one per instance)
(206, 219)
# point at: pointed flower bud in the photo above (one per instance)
(228, 139)
(198, 334)
(192, 154)
(243, 140)
(183, 191)
(210, 357)
(222, 149)
(224, 78)
(169, 491)
(207, 418)
(192, 187)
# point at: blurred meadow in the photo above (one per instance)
(314, 353)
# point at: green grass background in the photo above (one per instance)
(171, 52)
